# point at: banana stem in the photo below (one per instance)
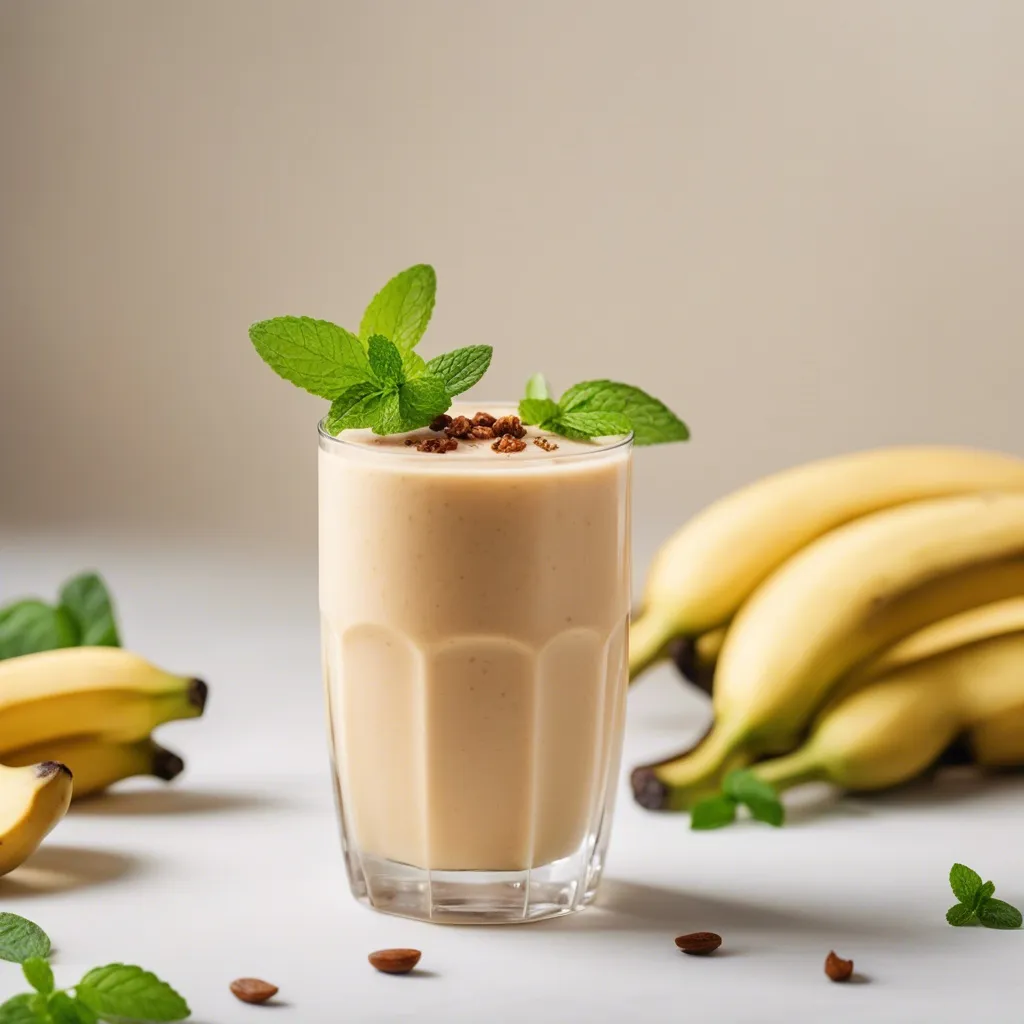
(792, 769)
(649, 636)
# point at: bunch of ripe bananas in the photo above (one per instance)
(854, 619)
(72, 722)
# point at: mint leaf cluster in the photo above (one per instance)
(83, 617)
(115, 994)
(374, 378)
(977, 902)
(739, 788)
(601, 408)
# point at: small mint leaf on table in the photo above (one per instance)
(125, 991)
(65, 1010)
(594, 424)
(316, 355)
(537, 410)
(537, 387)
(385, 361)
(28, 627)
(86, 599)
(38, 974)
(714, 812)
(422, 400)
(984, 893)
(21, 939)
(759, 796)
(401, 310)
(461, 368)
(995, 913)
(960, 915)
(23, 1009)
(965, 883)
(651, 420)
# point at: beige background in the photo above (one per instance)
(799, 223)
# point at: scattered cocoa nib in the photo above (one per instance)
(459, 427)
(437, 444)
(482, 433)
(509, 425)
(837, 968)
(410, 441)
(442, 421)
(395, 961)
(253, 990)
(508, 443)
(483, 419)
(699, 943)
(543, 442)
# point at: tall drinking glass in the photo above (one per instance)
(475, 611)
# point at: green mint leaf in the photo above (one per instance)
(27, 627)
(401, 309)
(556, 426)
(86, 599)
(21, 939)
(995, 913)
(316, 355)
(422, 400)
(23, 1009)
(388, 416)
(413, 365)
(65, 1010)
(984, 893)
(537, 387)
(38, 973)
(537, 410)
(960, 915)
(355, 407)
(594, 424)
(385, 361)
(759, 796)
(652, 421)
(121, 990)
(713, 812)
(965, 883)
(461, 369)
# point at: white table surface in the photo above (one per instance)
(235, 869)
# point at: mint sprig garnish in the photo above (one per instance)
(739, 788)
(601, 408)
(115, 994)
(83, 616)
(977, 903)
(374, 379)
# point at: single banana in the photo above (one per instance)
(97, 764)
(836, 604)
(102, 691)
(998, 742)
(896, 726)
(32, 800)
(712, 565)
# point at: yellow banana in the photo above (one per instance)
(998, 742)
(32, 800)
(696, 657)
(836, 604)
(103, 691)
(705, 571)
(896, 726)
(97, 764)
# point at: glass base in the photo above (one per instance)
(474, 897)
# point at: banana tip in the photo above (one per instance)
(648, 790)
(167, 765)
(47, 769)
(198, 691)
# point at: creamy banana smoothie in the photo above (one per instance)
(474, 602)
(474, 607)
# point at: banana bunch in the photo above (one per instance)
(852, 618)
(81, 713)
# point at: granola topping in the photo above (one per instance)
(483, 419)
(507, 444)
(543, 442)
(435, 444)
(482, 433)
(459, 427)
(509, 425)
(439, 424)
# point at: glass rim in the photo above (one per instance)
(625, 441)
